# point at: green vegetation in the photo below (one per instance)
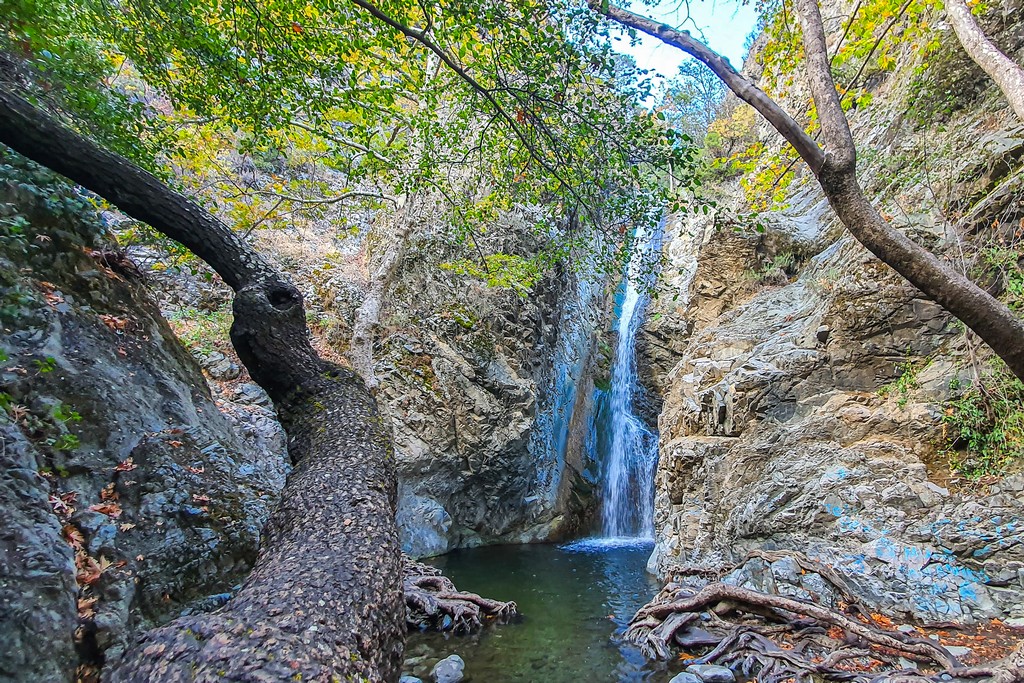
(1004, 264)
(784, 263)
(65, 442)
(461, 314)
(874, 37)
(287, 114)
(63, 414)
(983, 424)
(901, 387)
(504, 271)
(201, 330)
(44, 365)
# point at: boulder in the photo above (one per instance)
(711, 673)
(448, 670)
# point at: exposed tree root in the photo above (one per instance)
(834, 578)
(771, 638)
(433, 602)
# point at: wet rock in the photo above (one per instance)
(448, 670)
(423, 525)
(696, 637)
(488, 394)
(710, 673)
(686, 677)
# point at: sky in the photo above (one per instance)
(725, 25)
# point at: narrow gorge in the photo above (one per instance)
(637, 404)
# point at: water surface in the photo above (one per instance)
(575, 599)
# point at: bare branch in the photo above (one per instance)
(834, 127)
(1008, 75)
(336, 199)
(805, 146)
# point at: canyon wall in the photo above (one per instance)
(805, 384)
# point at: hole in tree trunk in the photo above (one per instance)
(282, 298)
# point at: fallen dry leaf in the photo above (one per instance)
(112, 510)
(73, 536)
(126, 465)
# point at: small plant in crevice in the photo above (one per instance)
(778, 270)
(1004, 262)
(44, 365)
(901, 387)
(983, 424)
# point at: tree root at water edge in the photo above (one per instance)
(433, 602)
(771, 639)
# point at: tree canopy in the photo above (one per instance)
(491, 105)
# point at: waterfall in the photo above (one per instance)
(631, 448)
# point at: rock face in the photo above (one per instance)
(783, 426)
(487, 393)
(124, 484)
(448, 670)
(773, 436)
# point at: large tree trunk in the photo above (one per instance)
(324, 601)
(836, 171)
(1007, 74)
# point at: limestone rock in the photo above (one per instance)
(711, 673)
(783, 428)
(130, 463)
(448, 670)
(686, 677)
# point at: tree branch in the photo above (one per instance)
(1008, 75)
(805, 146)
(841, 154)
(138, 193)
(425, 40)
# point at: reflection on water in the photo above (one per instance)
(576, 600)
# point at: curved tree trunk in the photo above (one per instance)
(324, 601)
(836, 171)
(1006, 73)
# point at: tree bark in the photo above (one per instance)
(989, 318)
(1006, 73)
(324, 601)
(836, 171)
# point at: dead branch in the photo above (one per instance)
(716, 593)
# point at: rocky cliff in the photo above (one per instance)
(805, 384)
(128, 493)
(486, 391)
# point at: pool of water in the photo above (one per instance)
(575, 599)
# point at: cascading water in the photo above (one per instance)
(597, 583)
(632, 448)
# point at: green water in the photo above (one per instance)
(575, 600)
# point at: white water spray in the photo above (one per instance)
(629, 465)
